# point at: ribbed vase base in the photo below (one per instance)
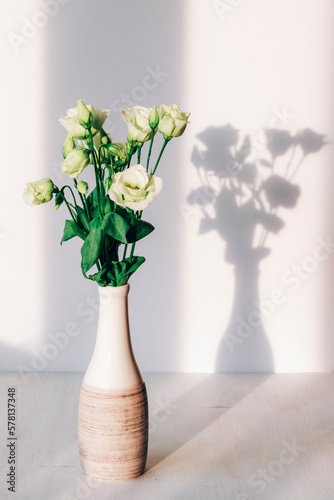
(113, 432)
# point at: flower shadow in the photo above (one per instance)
(245, 190)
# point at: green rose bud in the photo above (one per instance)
(76, 161)
(118, 151)
(85, 117)
(68, 145)
(82, 187)
(172, 121)
(154, 117)
(115, 150)
(38, 192)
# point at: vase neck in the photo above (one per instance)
(113, 365)
(113, 321)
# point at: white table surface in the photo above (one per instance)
(226, 437)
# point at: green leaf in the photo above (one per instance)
(108, 205)
(117, 273)
(92, 200)
(95, 213)
(129, 266)
(125, 268)
(102, 278)
(82, 216)
(72, 229)
(133, 264)
(91, 248)
(138, 228)
(116, 227)
(126, 228)
(59, 198)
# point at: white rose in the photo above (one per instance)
(70, 121)
(38, 192)
(137, 119)
(134, 188)
(172, 121)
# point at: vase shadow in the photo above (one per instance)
(186, 416)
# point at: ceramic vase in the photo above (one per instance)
(113, 409)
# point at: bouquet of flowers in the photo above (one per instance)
(108, 218)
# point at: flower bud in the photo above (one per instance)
(85, 117)
(115, 150)
(75, 162)
(38, 192)
(153, 119)
(82, 187)
(118, 151)
(68, 145)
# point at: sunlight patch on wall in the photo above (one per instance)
(24, 263)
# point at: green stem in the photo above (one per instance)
(98, 191)
(129, 160)
(106, 148)
(86, 206)
(150, 149)
(69, 187)
(134, 244)
(105, 248)
(160, 155)
(139, 153)
(125, 249)
(83, 200)
(68, 206)
(97, 174)
(132, 249)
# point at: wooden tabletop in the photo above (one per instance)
(226, 437)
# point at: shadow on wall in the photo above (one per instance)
(243, 191)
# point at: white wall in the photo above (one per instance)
(239, 67)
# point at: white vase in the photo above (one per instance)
(113, 410)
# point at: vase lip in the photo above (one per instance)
(114, 290)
